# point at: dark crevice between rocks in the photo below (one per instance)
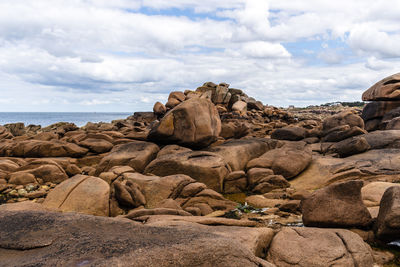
(347, 248)
(70, 192)
(391, 82)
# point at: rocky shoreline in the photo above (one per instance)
(211, 178)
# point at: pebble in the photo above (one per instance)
(22, 192)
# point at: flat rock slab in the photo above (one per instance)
(325, 170)
(37, 238)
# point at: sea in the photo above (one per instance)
(47, 118)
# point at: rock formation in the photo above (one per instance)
(211, 177)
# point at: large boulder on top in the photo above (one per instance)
(136, 154)
(194, 123)
(387, 227)
(81, 193)
(70, 239)
(205, 167)
(314, 247)
(386, 89)
(337, 205)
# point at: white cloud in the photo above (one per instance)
(261, 49)
(83, 55)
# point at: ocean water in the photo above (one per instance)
(46, 118)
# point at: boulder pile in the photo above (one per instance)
(212, 178)
(382, 112)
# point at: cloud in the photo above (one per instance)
(126, 54)
(261, 49)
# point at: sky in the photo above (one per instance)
(124, 55)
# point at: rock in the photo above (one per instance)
(372, 193)
(180, 187)
(237, 153)
(311, 247)
(21, 178)
(8, 165)
(387, 226)
(169, 203)
(393, 124)
(172, 149)
(254, 175)
(156, 211)
(63, 237)
(288, 161)
(235, 182)
(45, 170)
(269, 183)
(136, 154)
(253, 104)
(341, 126)
(39, 149)
(386, 89)
(5, 133)
(129, 194)
(159, 109)
(289, 133)
(194, 123)
(172, 102)
(203, 220)
(378, 109)
(205, 167)
(96, 145)
(342, 132)
(16, 129)
(259, 201)
(383, 139)
(222, 95)
(255, 239)
(86, 194)
(20, 206)
(324, 170)
(234, 129)
(337, 205)
(292, 206)
(240, 107)
(350, 146)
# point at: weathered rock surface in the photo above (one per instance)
(372, 193)
(193, 123)
(387, 227)
(337, 205)
(289, 133)
(41, 149)
(312, 247)
(237, 153)
(256, 239)
(80, 193)
(185, 190)
(341, 126)
(136, 154)
(350, 146)
(382, 164)
(386, 89)
(75, 239)
(205, 167)
(288, 161)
